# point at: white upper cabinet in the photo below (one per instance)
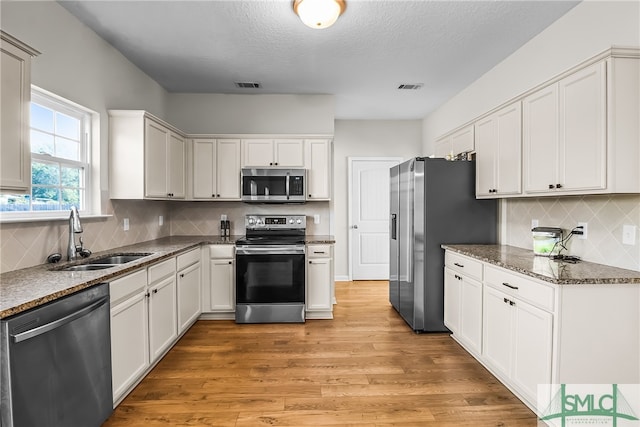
(318, 165)
(565, 141)
(463, 141)
(498, 143)
(458, 142)
(15, 95)
(273, 152)
(216, 169)
(147, 157)
(164, 162)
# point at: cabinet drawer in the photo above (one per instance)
(463, 265)
(162, 270)
(519, 286)
(122, 288)
(188, 258)
(221, 251)
(319, 251)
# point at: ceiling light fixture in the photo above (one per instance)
(319, 14)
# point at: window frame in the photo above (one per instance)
(88, 137)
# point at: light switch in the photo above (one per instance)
(316, 219)
(160, 220)
(125, 224)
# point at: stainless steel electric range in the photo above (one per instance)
(270, 270)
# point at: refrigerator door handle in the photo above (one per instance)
(394, 227)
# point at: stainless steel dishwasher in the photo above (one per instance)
(56, 363)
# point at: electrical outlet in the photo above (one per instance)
(629, 235)
(316, 219)
(582, 236)
(125, 224)
(534, 223)
(160, 220)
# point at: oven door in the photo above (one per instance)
(270, 283)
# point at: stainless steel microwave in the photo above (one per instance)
(267, 185)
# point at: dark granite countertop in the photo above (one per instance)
(23, 289)
(554, 271)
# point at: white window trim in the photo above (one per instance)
(92, 155)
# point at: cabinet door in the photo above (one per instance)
(257, 152)
(442, 148)
(319, 284)
(540, 139)
(129, 343)
(155, 159)
(15, 94)
(163, 321)
(486, 156)
(175, 166)
(189, 290)
(228, 169)
(318, 164)
(223, 296)
(582, 153)
(497, 329)
(471, 314)
(204, 171)
(288, 152)
(533, 329)
(508, 178)
(452, 283)
(463, 140)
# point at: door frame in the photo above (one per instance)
(350, 161)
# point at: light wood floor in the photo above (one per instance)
(363, 368)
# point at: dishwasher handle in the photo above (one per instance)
(23, 336)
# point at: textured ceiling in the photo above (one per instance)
(204, 46)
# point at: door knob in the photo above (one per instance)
(355, 226)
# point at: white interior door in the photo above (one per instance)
(369, 217)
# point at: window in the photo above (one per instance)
(60, 134)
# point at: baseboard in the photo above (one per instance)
(342, 278)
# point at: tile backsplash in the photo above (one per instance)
(27, 244)
(605, 216)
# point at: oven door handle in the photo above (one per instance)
(270, 250)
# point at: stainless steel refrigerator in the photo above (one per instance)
(432, 203)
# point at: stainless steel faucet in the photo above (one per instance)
(75, 227)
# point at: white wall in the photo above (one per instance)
(586, 30)
(365, 138)
(269, 114)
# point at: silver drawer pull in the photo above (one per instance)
(509, 286)
(458, 265)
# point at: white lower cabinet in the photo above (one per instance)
(535, 333)
(517, 341)
(219, 298)
(463, 300)
(129, 331)
(188, 289)
(319, 289)
(163, 323)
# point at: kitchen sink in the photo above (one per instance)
(104, 262)
(86, 267)
(117, 259)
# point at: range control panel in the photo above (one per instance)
(275, 222)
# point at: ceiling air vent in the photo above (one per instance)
(247, 85)
(412, 86)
